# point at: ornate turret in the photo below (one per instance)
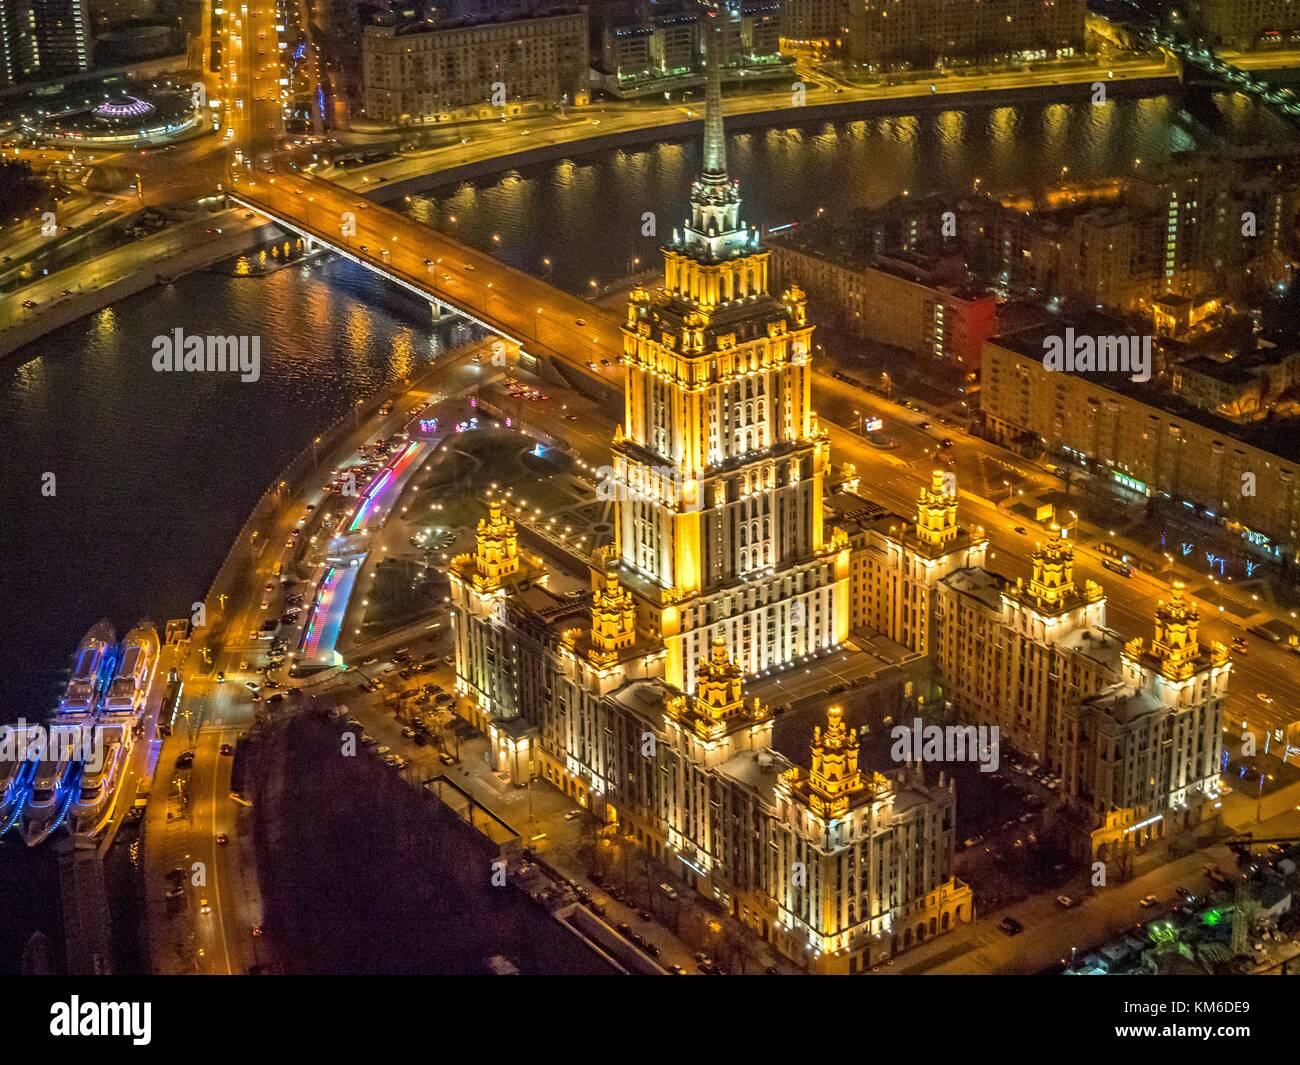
(1052, 580)
(834, 776)
(719, 699)
(936, 513)
(1176, 644)
(497, 547)
(613, 619)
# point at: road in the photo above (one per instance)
(584, 336)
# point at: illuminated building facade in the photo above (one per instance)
(1141, 758)
(720, 464)
(632, 700)
(926, 33)
(1016, 654)
(901, 565)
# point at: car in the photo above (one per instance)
(367, 740)
(185, 760)
(29, 304)
(1011, 926)
(383, 748)
(276, 699)
(255, 931)
(1020, 529)
(945, 443)
(227, 749)
(222, 839)
(625, 930)
(252, 685)
(446, 759)
(204, 906)
(1190, 896)
(580, 321)
(1147, 901)
(408, 732)
(772, 970)
(221, 676)
(1065, 902)
(1264, 698)
(974, 841)
(923, 425)
(676, 970)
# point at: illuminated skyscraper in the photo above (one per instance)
(719, 466)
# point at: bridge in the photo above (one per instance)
(569, 336)
(1214, 69)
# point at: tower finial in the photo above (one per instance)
(715, 141)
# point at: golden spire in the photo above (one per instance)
(936, 512)
(613, 619)
(1176, 644)
(1052, 581)
(834, 776)
(497, 553)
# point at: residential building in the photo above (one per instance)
(1144, 437)
(922, 304)
(418, 71)
(886, 34)
(1016, 654)
(1247, 24)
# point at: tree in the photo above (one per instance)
(20, 190)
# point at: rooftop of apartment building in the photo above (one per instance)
(982, 585)
(1124, 704)
(425, 17)
(1030, 344)
(944, 272)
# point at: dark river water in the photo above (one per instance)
(154, 472)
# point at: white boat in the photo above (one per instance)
(90, 667)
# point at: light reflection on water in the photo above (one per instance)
(156, 471)
(587, 214)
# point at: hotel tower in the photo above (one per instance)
(719, 466)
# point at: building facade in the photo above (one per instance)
(1141, 758)
(1247, 24)
(1144, 440)
(43, 39)
(424, 72)
(925, 33)
(907, 301)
